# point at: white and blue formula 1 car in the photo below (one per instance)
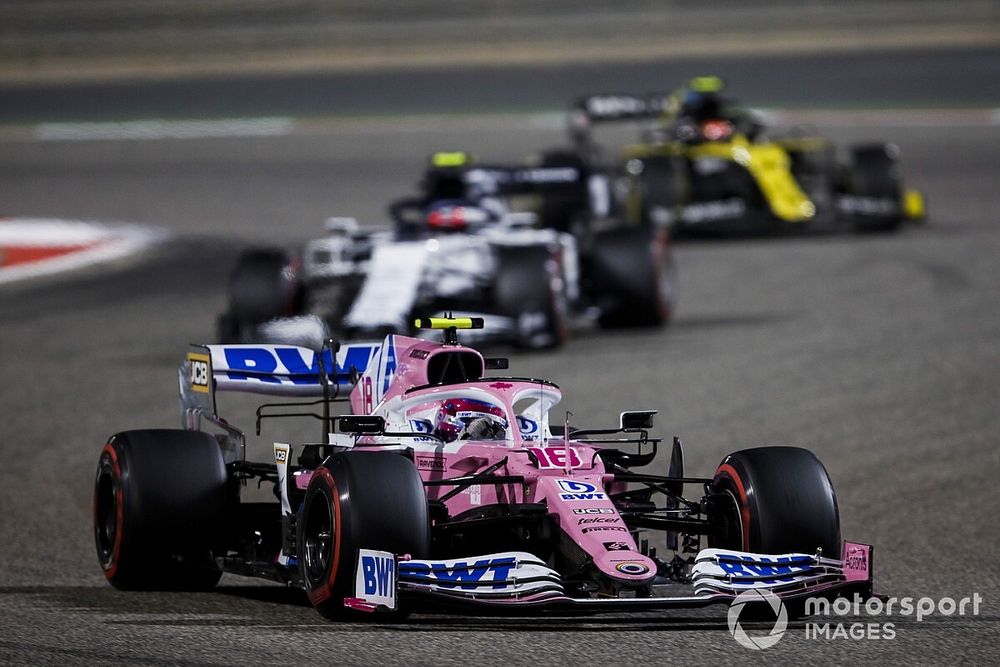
(456, 248)
(449, 488)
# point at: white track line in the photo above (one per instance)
(277, 126)
(165, 129)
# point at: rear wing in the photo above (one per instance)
(506, 180)
(605, 108)
(593, 109)
(273, 370)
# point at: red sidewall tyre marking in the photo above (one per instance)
(319, 595)
(111, 567)
(726, 470)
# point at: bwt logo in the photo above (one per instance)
(574, 490)
(421, 426)
(780, 569)
(462, 574)
(379, 575)
(527, 426)
(271, 364)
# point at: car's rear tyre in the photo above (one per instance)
(359, 500)
(262, 287)
(562, 206)
(775, 500)
(159, 503)
(528, 288)
(660, 186)
(632, 277)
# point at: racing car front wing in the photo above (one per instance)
(517, 580)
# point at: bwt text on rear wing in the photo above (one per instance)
(273, 370)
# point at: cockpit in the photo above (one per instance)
(511, 411)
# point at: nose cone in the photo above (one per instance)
(625, 566)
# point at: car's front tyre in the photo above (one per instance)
(358, 500)
(774, 500)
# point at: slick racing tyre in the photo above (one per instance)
(358, 500)
(562, 206)
(262, 287)
(632, 278)
(528, 288)
(874, 174)
(775, 500)
(159, 501)
(657, 191)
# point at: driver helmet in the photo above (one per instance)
(469, 418)
(700, 98)
(444, 178)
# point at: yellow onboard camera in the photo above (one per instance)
(450, 325)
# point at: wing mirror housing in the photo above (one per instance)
(361, 424)
(637, 420)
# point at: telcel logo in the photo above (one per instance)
(574, 490)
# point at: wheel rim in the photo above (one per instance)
(106, 515)
(731, 535)
(318, 539)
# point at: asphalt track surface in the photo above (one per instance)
(880, 353)
(893, 78)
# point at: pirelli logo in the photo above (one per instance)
(200, 377)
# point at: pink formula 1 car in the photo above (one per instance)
(446, 486)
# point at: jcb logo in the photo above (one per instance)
(280, 455)
(199, 372)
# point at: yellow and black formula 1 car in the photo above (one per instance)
(707, 166)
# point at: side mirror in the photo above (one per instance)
(497, 364)
(361, 424)
(637, 420)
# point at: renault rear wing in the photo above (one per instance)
(593, 109)
(604, 108)
(524, 180)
